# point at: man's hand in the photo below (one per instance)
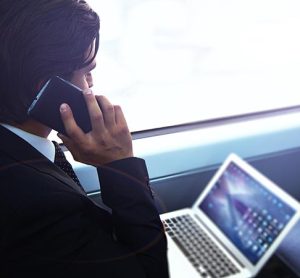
(109, 138)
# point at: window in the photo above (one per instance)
(169, 62)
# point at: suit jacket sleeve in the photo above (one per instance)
(125, 189)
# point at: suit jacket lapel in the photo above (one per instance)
(21, 151)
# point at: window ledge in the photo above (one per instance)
(184, 151)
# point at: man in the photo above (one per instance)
(48, 226)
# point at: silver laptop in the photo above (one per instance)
(235, 225)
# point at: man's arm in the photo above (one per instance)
(125, 189)
(123, 178)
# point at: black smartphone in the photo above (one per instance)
(45, 107)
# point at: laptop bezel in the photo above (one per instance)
(253, 268)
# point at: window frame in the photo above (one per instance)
(191, 148)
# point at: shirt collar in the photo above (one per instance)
(43, 145)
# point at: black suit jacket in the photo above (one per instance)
(50, 228)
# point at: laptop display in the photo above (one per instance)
(248, 213)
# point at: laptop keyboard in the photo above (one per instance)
(198, 247)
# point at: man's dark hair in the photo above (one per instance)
(40, 39)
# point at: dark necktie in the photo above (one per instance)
(61, 161)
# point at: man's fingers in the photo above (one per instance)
(105, 143)
(120, 119)
(72, 129)
(95, 112)
(65, 139)
(108, 111)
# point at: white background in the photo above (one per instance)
(175, 61)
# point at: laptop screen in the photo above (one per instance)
(248, 213)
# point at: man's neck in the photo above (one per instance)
(35, 128)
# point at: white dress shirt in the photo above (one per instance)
(41, 144)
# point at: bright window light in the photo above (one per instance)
(169, 62)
